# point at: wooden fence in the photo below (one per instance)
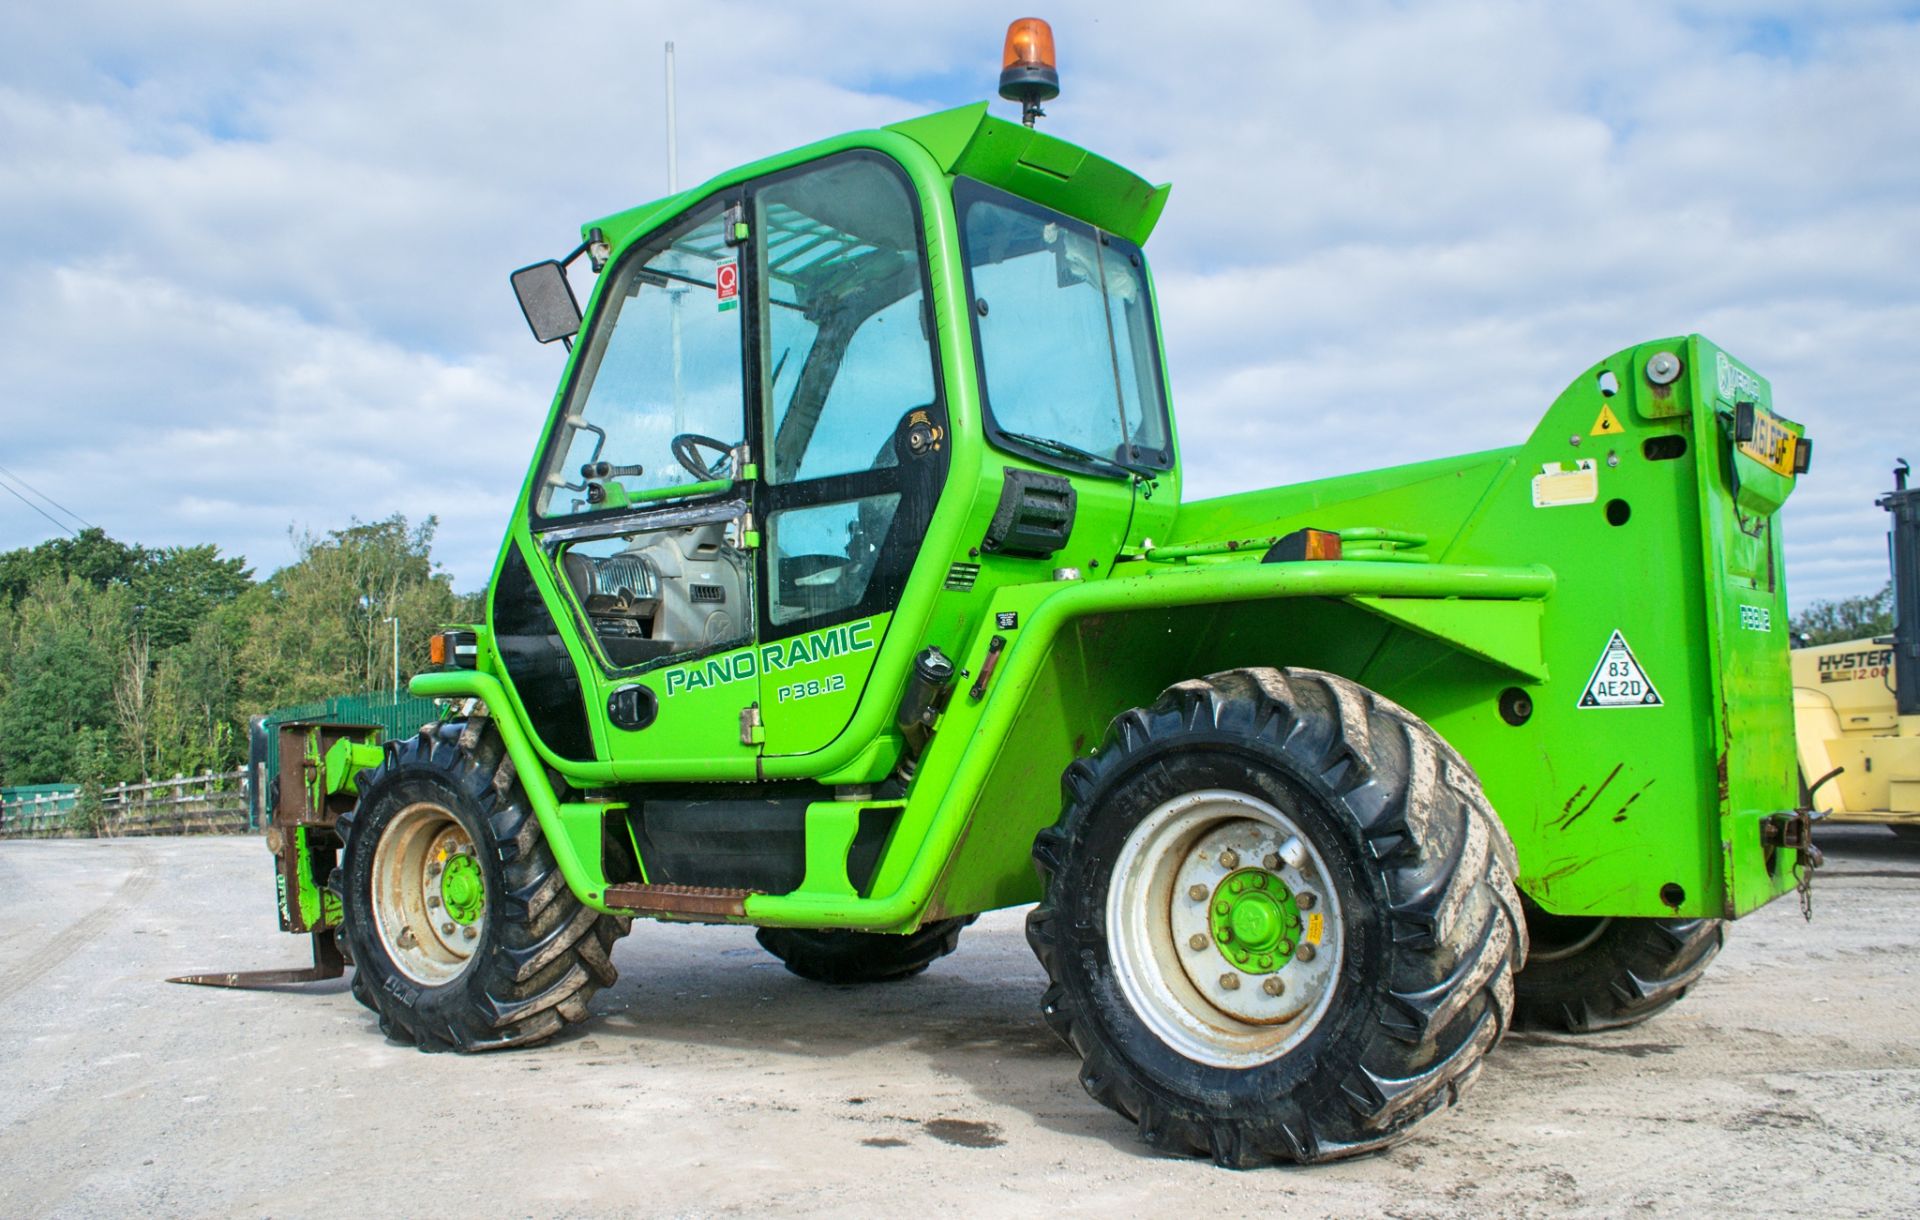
(212, 803)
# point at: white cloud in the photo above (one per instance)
(254, 254)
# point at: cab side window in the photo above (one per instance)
(848, 383)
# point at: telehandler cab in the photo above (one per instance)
(851, 593)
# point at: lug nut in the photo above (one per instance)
(433, 900)
(1223, 936)
(1240, 955)
(1303, 901)
(1229, 858)
(1305, 952)
(1266, 961)
(1259, 881)
(1229, 982)
(1221, 907)
(1270, 861)
(1238, 884)
(1197, 941)
(433, 870)
(1273, 986)
(471, 933)
(1197, 892)
(447, 928)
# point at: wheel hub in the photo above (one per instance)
(1255, 920)
(460, 889)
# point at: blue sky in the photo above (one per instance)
(253, 256)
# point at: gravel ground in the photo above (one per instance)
(713, 1082)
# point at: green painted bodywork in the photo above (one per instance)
(1455, 591)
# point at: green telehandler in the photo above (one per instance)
(851, 593)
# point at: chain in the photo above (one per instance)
(1803, 882)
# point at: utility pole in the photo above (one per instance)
(674, 293)
(673, 137)
(395, 620)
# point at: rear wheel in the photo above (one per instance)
(835, 956)
(1279, 920)
(462, 932)
(1591, 973)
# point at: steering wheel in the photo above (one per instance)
(686, 451)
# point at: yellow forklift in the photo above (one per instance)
(1856, 704)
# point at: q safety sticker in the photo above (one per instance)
(726, 285)
(1618, 680)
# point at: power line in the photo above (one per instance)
(49, 499)
(36, 508)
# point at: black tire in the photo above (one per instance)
(540, 954)
(1906, 832)
(1422, 871)
(832, 955)
(1590, 973)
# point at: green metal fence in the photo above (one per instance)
(35, 809)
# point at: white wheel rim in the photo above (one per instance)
(420, 936)
(1181, 991)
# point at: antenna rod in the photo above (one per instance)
(673, 142)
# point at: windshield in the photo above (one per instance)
(658, 405)
(1067, 351)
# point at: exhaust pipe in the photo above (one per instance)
(1903, 545)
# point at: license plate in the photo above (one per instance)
(1772, 444)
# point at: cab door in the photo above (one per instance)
(626, 616)
(852, 432)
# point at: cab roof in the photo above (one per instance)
(970, 142)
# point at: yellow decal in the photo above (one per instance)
(1555, 486)
(1316, 925)
(1608, 424)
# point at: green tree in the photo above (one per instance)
(320, 626)
(1849, 618)
(90, 556)
(196, 720)
(177, 587)
(56, 694)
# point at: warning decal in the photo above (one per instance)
(726, 285)
(1608, 424)
(1618, 681)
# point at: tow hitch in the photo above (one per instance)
(1794, 832)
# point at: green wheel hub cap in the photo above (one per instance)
(461, 889)
(1255, 921)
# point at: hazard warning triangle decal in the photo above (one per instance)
(1618, 680)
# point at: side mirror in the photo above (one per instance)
(546, 298)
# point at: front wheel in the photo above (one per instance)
(462, 932)
(1279, 921)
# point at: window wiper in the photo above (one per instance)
(1062, 449)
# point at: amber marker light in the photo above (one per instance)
(1304, 545)
(1028, 74)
